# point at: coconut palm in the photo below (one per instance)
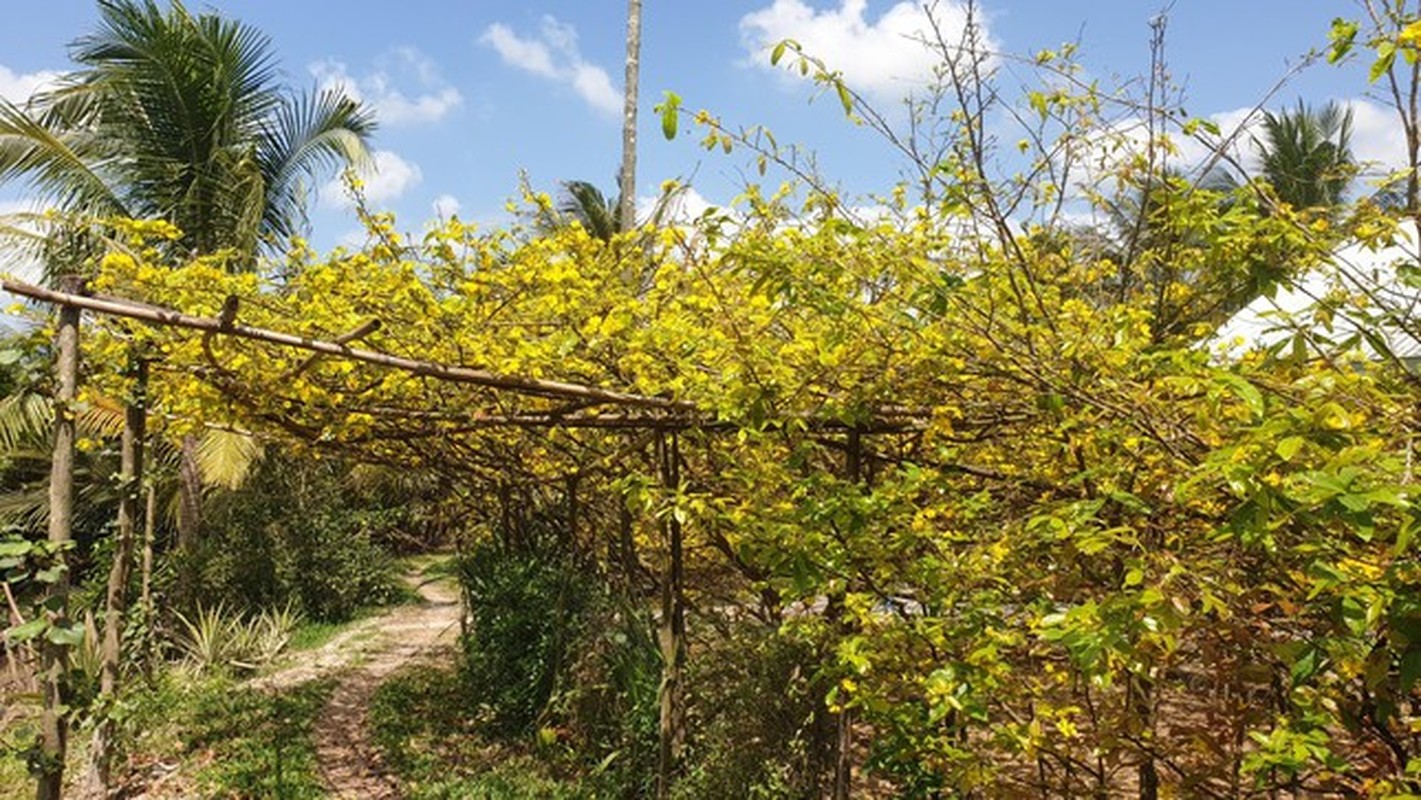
(1306, 155)
(180, 117)
(583, 203)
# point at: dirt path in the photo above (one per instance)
(362, 657)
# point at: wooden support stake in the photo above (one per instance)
(671, 729)
(844, 724)
(54, 658)
(116, 599)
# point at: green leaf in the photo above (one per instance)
(845, 98)
(1410, 668)
(1386, 56)
(51, 575)
(1245, 391)
(27, 631)
(1307, 665)
(1341, 37)
(72, 636)
(778, 53)
(1289, 447)
(669, 109)
(16, 547)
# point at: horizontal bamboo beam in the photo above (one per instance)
(454, 374)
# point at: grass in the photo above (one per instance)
(429, 737)
(311, 635)
(236, 741)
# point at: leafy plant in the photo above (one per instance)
(217, 638)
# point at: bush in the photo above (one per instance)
(295, 535)
(757, 716)
(611, 706)
(527, 605)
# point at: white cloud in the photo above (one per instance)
(387, 177)
(1378, 140)
(681, 209)
(18, 87)
(377, 88)
(554, 54)
(445, 206)
(886, 58)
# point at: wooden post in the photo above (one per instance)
(145, 592)
(671, 729)
(189, 516)
(844, 725)
(54, 659)
(116, 599)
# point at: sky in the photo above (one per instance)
(472, 93)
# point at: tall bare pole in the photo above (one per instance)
(626, 211)
(54, 659)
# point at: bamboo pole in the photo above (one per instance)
(456, 374)
(54, 658)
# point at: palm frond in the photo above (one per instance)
(227, 457)
(25, 418)
(585, 204)
(308, 133)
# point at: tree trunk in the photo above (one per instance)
(54, 658)
(627, 177)
(116, 599)
(671, 729)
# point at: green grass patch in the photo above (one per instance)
(235, 741)
(428, 734)
(310, 635)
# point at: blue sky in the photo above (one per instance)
(472, 92)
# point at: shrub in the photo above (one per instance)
(296, 535)
(527, 604)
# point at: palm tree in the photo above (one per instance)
(178, 117)
(1307, 155)
(583, 203)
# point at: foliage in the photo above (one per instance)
(420, 722)
(296, 535)
(218, 639)
(1002, 497)
(1307, 156)
(760, 722)
(527, 601)
(237, 741)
